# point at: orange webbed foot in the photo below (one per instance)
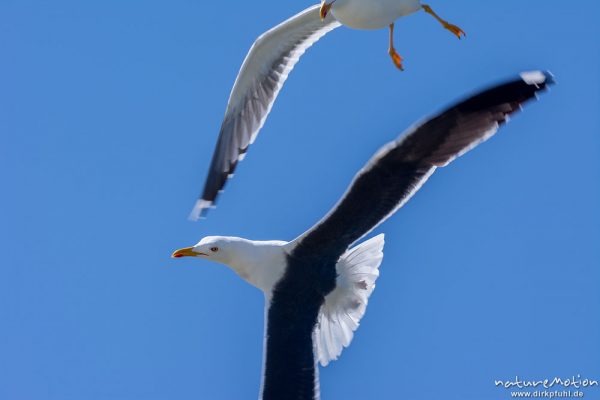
(324, 10)
(451, 27)
(455, 30)
(396, 59)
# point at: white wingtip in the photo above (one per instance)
(200, 209)
(537, 77)
(533, 77)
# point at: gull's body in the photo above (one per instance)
(372, 14)
(317, 286)
(267, 66)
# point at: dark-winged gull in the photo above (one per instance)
(317, 286)
(267, 66)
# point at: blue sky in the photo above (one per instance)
(109, 112)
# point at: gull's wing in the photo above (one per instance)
(401, 167)
(263, 73)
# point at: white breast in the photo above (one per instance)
(261, 264)
(372, 14)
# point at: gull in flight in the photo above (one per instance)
(317, 286)
(267, 66)
(377, 14)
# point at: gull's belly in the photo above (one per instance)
(372, 14)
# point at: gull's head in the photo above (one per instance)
(260, 263)
(214, 248)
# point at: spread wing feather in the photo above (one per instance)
(262, 75)
(401, 167)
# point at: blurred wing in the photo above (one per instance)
(263, 73)
(401, 167)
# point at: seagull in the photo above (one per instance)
(267, 66)
(377, 14)
(317, 286)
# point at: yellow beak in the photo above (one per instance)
(186, 252)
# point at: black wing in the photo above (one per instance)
(401, 167)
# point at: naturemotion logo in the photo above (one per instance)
(557, 387)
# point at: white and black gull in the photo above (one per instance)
(317, 286)
(268, 64)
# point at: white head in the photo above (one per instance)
(219, 249)
(261, 263)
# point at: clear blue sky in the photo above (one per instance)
(109, 112)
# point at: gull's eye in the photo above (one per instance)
(214, 249)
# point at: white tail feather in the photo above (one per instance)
(357, 269)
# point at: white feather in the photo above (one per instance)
(357, 269)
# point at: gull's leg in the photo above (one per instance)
(392, 51)
(452, 28)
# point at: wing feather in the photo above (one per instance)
(262, 75)
(400, 168)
